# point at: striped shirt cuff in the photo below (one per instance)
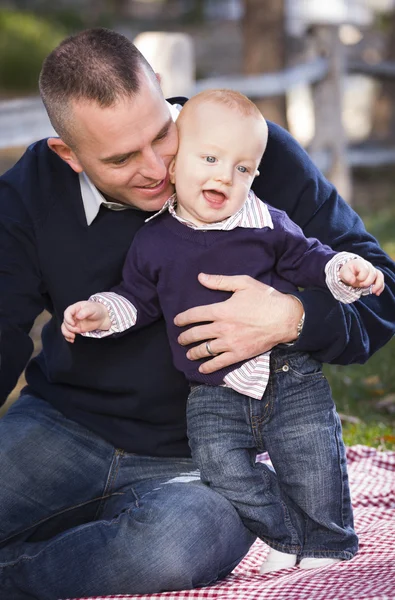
(341, 291)
(251, 378)
(122, 313)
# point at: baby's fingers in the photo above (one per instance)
(368, 277)
(89, 310)
(68, 316)
(378, 285)
(68, 335)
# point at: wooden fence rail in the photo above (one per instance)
(25, 120)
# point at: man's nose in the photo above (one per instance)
(152, 165)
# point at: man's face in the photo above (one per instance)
(126, 149)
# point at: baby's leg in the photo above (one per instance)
(221, 430)
(303, 438)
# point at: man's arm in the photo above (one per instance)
(333, 332)
(253, 320)
(21, 293)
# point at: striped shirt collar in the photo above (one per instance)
(92, 198)
(253, 214)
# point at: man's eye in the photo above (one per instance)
(120, 161)
(211, 159)
(242, 169)
(162, 136)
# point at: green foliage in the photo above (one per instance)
(381, 224)
(72, 20)
(68, 19)
(25, 40)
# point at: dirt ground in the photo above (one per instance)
(9, 157)
(36, 337)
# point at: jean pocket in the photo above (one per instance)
(194, 389)
(301, 366)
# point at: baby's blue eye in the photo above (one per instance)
(242, 169)
(210, 159)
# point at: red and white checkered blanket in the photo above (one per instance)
(369, 576)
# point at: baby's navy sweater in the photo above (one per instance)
(160, 276)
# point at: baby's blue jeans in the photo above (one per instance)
(303, 506)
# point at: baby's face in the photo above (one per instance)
(218, 157)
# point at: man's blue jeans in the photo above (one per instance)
(80, 518)
(303, 507)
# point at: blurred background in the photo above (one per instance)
(323, 70)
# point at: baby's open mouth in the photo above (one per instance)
(214, 196)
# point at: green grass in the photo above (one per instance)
(360, 390)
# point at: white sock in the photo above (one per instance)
(316, 563)
(276, 561)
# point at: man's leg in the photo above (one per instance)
(303, 438)
(79, 518)
(52, 473)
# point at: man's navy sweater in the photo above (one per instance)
(126, 389)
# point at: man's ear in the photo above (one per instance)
(64, 151)
(172, 171)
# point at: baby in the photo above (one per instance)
(278, 402)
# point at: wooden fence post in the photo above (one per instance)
(330, 134)
(171, 55)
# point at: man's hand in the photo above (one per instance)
(359, 273)
(84, 316)
(255, 318)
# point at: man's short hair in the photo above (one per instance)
(97, 65)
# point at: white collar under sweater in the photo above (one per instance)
(253, 214)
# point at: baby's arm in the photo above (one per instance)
(103, 315)
(359, 273)
(83, 317)
(348, 277)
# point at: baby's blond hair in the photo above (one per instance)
(230, 98)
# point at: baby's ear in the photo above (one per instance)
(172, 171)
(257, 173)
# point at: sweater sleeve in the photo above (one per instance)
(21, 289)
(300, 260)
(308, 263)
(138, 286)
(134, 302)
(333, 332)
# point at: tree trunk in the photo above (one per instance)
(330, 134)
(383, 118)
(264, 49)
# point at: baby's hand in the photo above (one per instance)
(359, 273)
(84, 316)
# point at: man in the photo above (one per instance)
(97, 492)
